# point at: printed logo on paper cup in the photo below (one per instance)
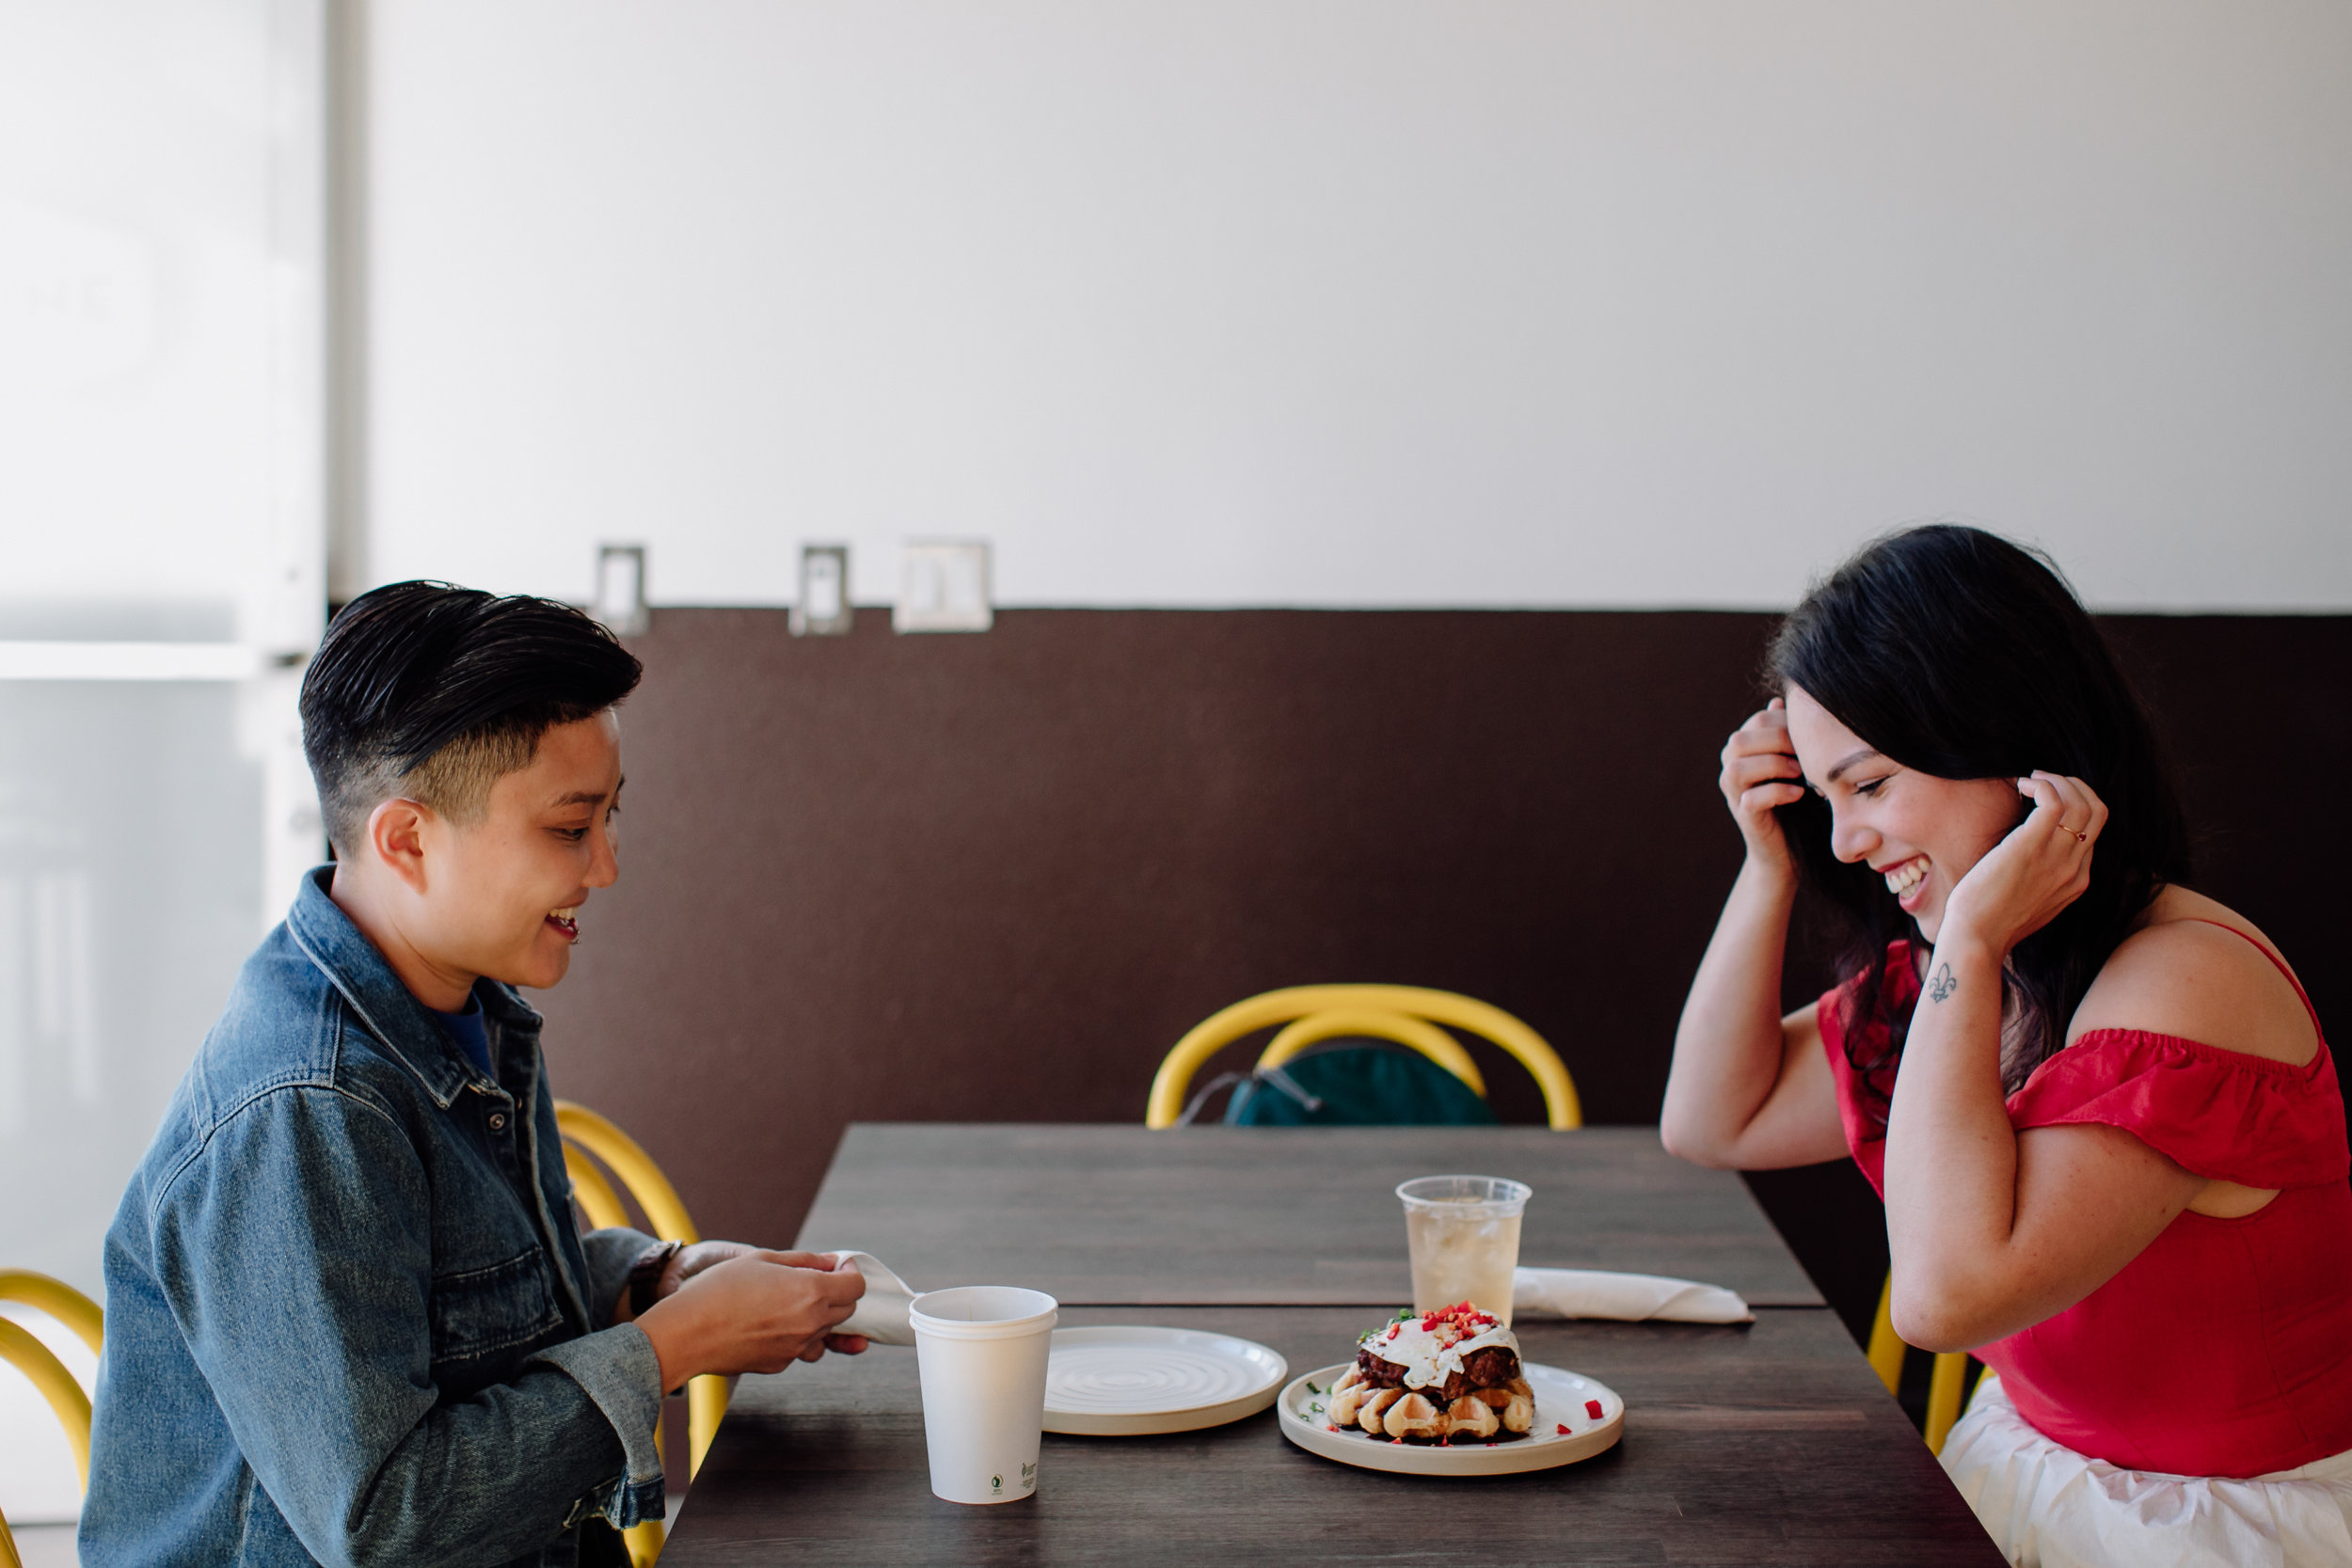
(1028, 1478)
(995, 1484)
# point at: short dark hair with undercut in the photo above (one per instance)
(434, 693)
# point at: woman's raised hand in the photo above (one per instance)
(1760, 773)
(2040, 867)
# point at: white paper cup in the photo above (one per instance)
(981, 1351)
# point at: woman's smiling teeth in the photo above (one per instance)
(1900, 880)
(565, 920)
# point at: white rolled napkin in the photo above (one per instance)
(882, 1311)
(1629, 1297)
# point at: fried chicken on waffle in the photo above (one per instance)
(1435, 1377)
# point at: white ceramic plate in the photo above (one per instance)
(1560, 1402)
(1121, 1382)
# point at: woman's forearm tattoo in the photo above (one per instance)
(1942, 985)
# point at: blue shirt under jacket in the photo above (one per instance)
(469, 1026)
(349, 1319)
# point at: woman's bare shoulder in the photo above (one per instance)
(2180, 974)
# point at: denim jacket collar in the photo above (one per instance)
(351, 964)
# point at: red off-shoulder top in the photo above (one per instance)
(2225, 1347)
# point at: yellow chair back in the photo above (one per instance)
(61, 1301)
(1948, 1384)
(22, 1349)
(1407, 1014)
(587, 1134)
(584, 1128)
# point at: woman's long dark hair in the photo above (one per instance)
(1958, 653)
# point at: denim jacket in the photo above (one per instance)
(349, 1319)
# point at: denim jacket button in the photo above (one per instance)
(498, 1121)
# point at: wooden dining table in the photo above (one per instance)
(1765, 1442)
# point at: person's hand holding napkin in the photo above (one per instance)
(1629, 1297)
(882, 1311)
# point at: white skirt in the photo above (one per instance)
(2048, 1507)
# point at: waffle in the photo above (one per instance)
(1411, 1416)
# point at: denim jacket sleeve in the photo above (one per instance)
(611, 1253)
(336, 1315)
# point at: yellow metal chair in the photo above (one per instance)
(1408, 1014)
(21, 1348)
(587, 1134)
(1947, 1386)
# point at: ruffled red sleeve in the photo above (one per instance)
(2223, 1114)
(1861, 1104)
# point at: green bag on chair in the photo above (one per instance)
(1356, 1086)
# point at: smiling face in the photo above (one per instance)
(1921, 832)
(500, 895)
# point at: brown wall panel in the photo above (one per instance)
(996, 876)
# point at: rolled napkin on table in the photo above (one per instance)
(882, 1311)
(1629, 1297)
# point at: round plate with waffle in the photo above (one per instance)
(1445, 1393)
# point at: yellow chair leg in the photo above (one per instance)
(7, 1547)
(705, 1407)
(1947, 1387)
(1945, 1391)
(1886, 1347)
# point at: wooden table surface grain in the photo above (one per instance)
(1769, 1442)
(1750, 1444)
(1273, 1216)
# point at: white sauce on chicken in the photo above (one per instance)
(1432, 1355)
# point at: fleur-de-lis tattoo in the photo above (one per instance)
(1942, 985)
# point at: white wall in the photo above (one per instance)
(159, 306)
(1360, 302)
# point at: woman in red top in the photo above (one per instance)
(2109, 1135)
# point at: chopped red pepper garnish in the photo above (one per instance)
(1591, 1408)
(1564, 1429)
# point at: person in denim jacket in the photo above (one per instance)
(350, 1319)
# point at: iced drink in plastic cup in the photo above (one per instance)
(1464, 1233)
(981, 1352)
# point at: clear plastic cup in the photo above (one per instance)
(1464, 1235)
(981, 1352)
